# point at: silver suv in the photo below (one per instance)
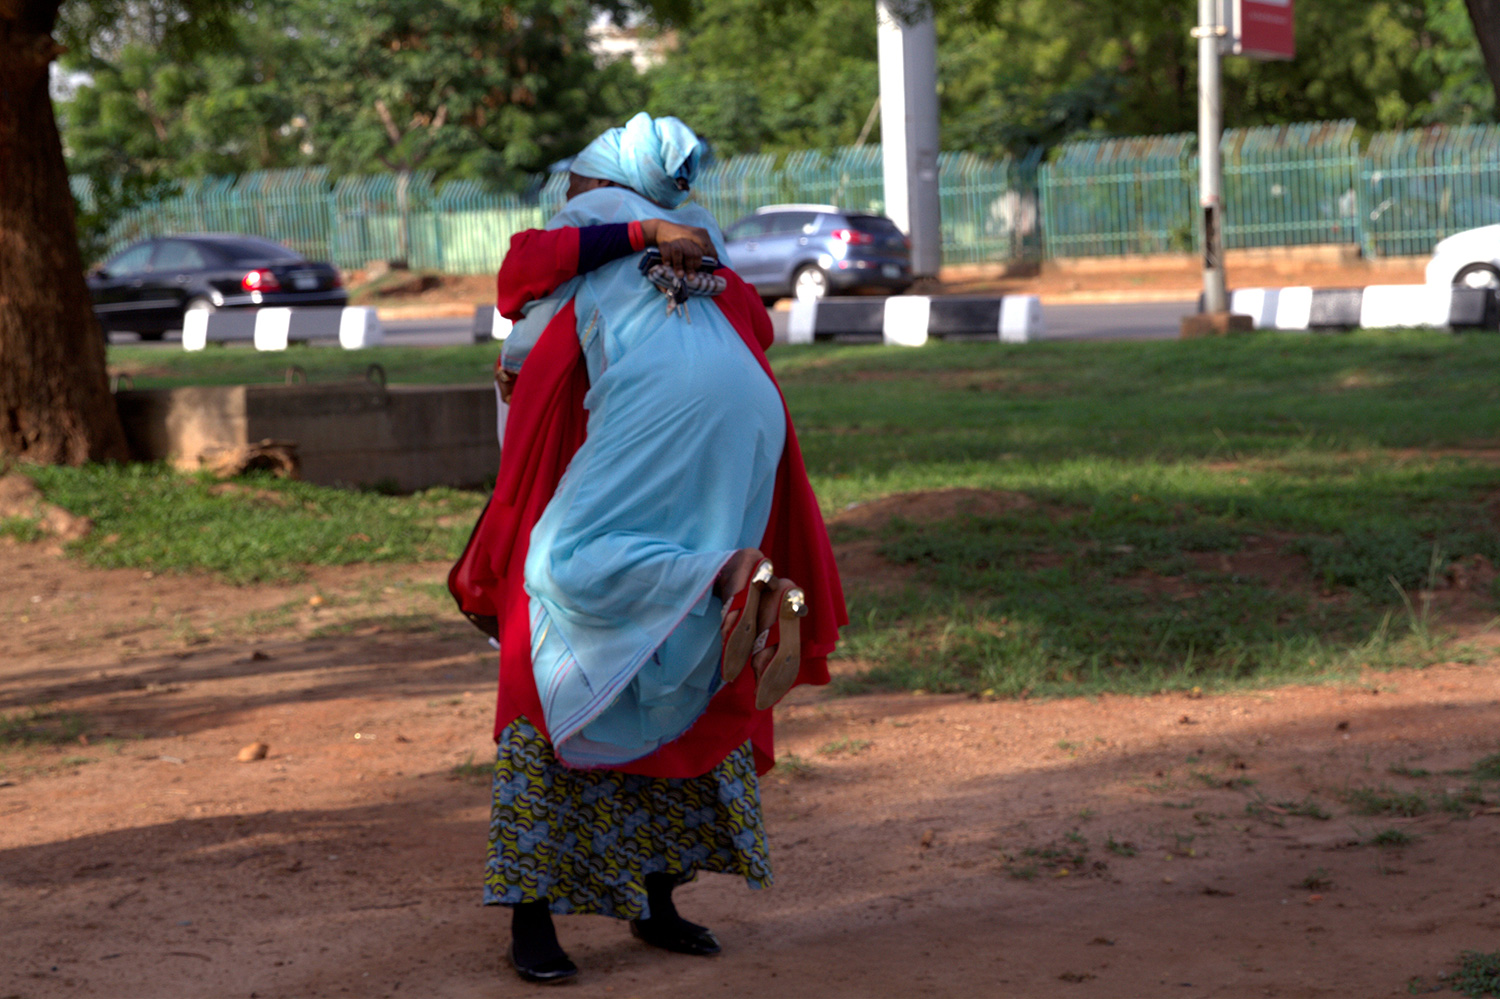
(810, 251)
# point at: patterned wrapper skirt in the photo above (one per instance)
(584, 840)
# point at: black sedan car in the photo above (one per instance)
(149, 286)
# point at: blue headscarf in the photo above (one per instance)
(654, 157)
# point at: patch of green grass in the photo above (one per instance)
(1463, 803)
(1152, 484)
(473, 773)
(794, 767)
(1392, 838)
(1307, 808)
(1488, 768)
(1386, 801)
(1145, 473)
(846, 745)
(23, 529)
(1056, 857)
(41, 727)
(1477, 975)
(1318, 880)
(257, 528)
(1402, 770)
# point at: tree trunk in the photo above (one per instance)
(55, 403)
(1486, 17)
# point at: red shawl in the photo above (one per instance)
(546, 425)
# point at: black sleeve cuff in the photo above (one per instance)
(599, 244)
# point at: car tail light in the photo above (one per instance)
(260, 279)
(853, 237)
(338, 280)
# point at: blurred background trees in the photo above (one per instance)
(495, 91)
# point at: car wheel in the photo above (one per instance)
(810, 284)
(1482, 276)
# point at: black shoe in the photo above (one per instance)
(548, 972)
(679, 937)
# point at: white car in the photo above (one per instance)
(1469, 259)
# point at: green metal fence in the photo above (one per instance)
(989, 208)
(1288, 185)
(1425, 184)
(1106, 197)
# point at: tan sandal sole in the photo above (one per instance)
(781, 672)
(742, 636)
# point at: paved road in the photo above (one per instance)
(1128, 321)
(1131, 321)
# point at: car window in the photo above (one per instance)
(747, 228)
(132, 261)
(248, 249)
(177, 255)
(875, 225)
(785, 222)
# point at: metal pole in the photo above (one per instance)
(1210, 125)
(909, 129)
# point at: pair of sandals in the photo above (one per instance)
(742, 642)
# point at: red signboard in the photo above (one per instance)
(1263, 29)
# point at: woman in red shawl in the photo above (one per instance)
(680, 793)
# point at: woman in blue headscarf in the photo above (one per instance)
(626, 590)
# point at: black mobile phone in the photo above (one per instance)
(652, 257)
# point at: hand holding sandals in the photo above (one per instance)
(681, 246)
(761, 625)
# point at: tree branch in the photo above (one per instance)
(143, 98)
(391, 130)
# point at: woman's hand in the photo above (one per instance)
(682, 246)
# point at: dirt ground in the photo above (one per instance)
(922, 845)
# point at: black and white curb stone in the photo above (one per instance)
(352, 327)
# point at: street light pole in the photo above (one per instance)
(1210, 32)
(907, 48)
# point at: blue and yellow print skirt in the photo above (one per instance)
(585, 840)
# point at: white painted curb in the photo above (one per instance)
(200, 327)
(905, 321)
(801, 322)
(1021, 319)
(359, 327)
(1405, 305)
(272, 329)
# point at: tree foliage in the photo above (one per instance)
(472, 88)
(464, 87)
(749, 76)
(769, 75)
